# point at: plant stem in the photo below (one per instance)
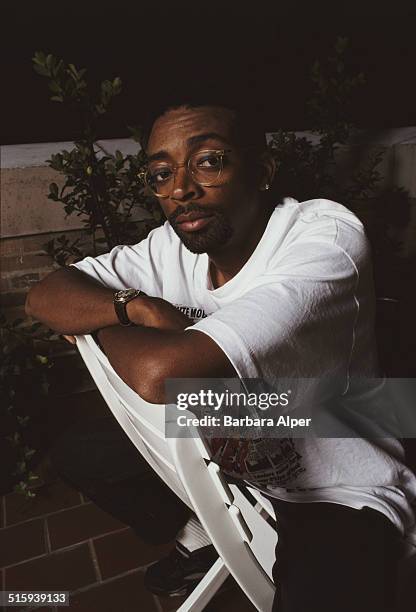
(97, 207)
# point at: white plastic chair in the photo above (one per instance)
(239, 531)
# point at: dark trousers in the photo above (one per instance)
(329, 558)
(97, 458)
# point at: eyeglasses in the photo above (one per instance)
(205, 167)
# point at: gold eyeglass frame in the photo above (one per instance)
(221, 152)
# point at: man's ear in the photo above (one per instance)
(268, 170)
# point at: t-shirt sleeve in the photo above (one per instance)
(138, 266)
(302, 318)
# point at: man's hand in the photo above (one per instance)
(158, 313)
(70, 339)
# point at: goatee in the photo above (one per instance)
(209, 239)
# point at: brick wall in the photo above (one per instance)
(23, 263)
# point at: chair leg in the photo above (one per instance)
(206, 589)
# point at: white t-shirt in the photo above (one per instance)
(301, 306)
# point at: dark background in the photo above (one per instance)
(260, 50)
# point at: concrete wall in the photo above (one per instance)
(25, 207)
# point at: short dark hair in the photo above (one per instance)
(248, 120)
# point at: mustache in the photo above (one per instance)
(181, 210)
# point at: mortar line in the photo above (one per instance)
(94, 558)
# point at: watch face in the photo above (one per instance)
(125, 294)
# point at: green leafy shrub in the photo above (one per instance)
(103, 189)
(24, 384)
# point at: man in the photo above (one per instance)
(281, 292)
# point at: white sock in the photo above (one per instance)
(193, 535)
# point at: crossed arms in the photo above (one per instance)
(71, 303)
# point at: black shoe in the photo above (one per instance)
(179, 572)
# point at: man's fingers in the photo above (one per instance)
(70, 339)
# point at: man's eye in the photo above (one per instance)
(211, 161)
(160, 175)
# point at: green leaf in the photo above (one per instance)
(106, 87)
(41, 70)
(58, 69)
(20, 487)
(39, 57)
(55, 87)
(14, 439)
(117, 85)
(341, 44)
(41, 359)
(72, 71)
(23, 421)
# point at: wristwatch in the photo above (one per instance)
(120, 301)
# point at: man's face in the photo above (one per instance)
(206, 218)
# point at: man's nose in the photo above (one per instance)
(184, 186)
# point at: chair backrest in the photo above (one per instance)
(239, 531)
(144, 423)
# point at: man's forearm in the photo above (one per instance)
(69, 302)
(159, 347)
(72, 303)
(145, 357)
(139, 356)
